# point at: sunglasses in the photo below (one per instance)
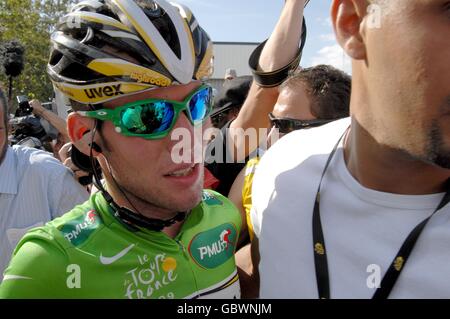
(154, 118)
(286, 125)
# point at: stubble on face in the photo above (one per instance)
(137, 167)
(437, 151)
(406, 79)
(143, 194)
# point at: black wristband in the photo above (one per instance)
(275, 78)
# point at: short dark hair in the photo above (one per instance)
(328, 88)
(4, 106)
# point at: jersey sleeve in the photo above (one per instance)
(38, 269)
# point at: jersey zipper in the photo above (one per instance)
(186, 255)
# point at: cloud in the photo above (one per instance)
(333, 55)
(329, 37)
(325, 22)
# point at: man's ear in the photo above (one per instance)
(347, 17)
(80, 132)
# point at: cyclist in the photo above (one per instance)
(131, 71)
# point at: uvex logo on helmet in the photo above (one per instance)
(108, 90)
(153, 42)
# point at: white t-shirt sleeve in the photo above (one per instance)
(255, 220)
(261, 189)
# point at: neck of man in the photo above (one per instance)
(385, 169)
(143, 208)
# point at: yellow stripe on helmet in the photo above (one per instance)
(187, 16)
(115, 67)
(184, 11)
(180, 67)
(205, 69)
(99, 93)
(142, 33)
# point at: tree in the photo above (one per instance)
(31, 22)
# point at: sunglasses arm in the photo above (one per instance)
(102, 115)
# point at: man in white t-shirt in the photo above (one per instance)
(387, 175)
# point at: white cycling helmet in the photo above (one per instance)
(104, 49)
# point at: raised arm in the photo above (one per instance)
(279, 54)
(58, 122)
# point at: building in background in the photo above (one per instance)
(230, 56)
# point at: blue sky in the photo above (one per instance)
(254, 20)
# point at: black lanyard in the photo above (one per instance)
(397, 265)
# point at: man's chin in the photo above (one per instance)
(190, 202)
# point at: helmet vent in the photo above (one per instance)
(80, 73)
(55, 58)
(168, 32)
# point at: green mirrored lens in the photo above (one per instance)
(148, 118)
(200, 105)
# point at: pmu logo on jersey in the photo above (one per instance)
(77, 231)
(214, 247)
(108, 90)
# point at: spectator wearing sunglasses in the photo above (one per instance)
(151, 231)
(308, 98)
(270, 66)
(359, 208)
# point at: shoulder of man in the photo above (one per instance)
(43, 170)
(38, 268)
(296, 158)
(37, 161)
(296, 147)
(214, 199)
(82, 219)
(220, 207)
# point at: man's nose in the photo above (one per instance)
(186, 139)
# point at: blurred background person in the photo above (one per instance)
(34, 189)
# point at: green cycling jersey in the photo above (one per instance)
(89, 253)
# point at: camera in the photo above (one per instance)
(27, 126)
(26, 129)
(24, 108)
